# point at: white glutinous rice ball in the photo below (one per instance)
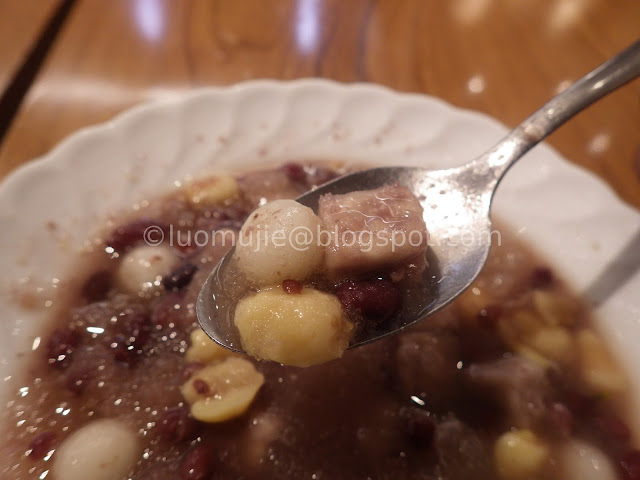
(143, 267)
(583, 461)
(279, 241)
(101, 450)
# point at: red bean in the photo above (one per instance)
(126, 236)
(131, 335)
(234, 212)
(542, 277)
(183, 241)
(179, 278)
(219, 218)
(612, 426)
(420, 427)
(121, 350)
(375, 300)
(76, 378)
(61, 345)
(488, 317)
(191, 368)
(201, 386)
(630, 465)
(41, 445)
(168, 310)
(134, 325)
(295, 172)
(581, 406)
(292, 286)
(309, 175)
(177, 425)
(197, 463)
(560, 420)
(320, 175)
(97, 286)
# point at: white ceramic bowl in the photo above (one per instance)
(573, 219)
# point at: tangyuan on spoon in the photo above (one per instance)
(285, 300)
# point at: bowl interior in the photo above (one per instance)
(48, 207)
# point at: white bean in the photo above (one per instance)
(263, 430)
(231, 387)
(101, 450)
(212, 191)
(143, 267)
(279, 241)
(582, 461)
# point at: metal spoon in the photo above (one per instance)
(462, 197)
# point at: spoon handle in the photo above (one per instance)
(612, 74)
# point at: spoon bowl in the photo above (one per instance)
(456, 203)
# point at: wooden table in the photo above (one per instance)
(502, 57)
(20, 25)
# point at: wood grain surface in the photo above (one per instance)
(502, 57)
(21, 22)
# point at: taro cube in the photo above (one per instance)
(379, 231)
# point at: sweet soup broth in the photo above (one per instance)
(510, 381)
